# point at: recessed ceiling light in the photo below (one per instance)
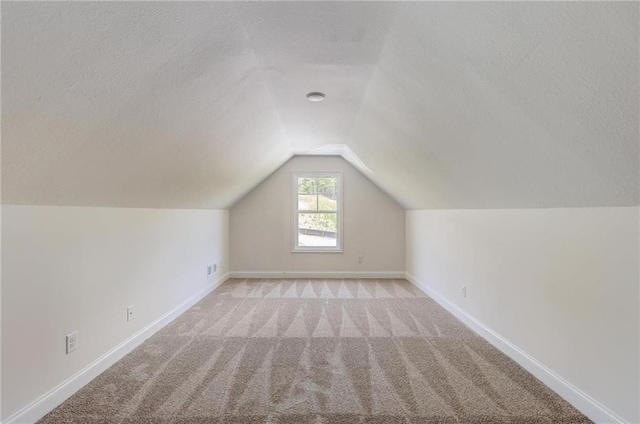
(315, 96)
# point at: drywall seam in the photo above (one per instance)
(319, 274)
(576, 397)
(50, 400)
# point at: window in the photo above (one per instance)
(317, 215)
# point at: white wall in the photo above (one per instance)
(73, 268)
(261, 225)
(560, 284)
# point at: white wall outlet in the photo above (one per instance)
(215, 268)
(360, 259)
(130, 313)
(464, 291)
(72, 342)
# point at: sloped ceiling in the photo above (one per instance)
(446, 105)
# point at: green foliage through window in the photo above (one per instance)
(318, 221)
(318, 194)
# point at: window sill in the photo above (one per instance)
(313, 250)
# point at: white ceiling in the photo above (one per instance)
(446, 105)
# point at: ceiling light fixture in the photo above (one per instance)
(315, 96)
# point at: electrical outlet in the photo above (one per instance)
(215, 268)
(464, 291)
(360, 259)
(130, 313)
(72, 342)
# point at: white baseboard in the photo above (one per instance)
(576, 397)
(46, 403)
(379, 275)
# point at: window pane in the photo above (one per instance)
(317, 229)
(326, 203)
(307, 202)
(306, 185)
(327, 193)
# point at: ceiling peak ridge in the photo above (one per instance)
(375, 67)
(261, 68)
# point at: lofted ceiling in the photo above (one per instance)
(443, 105)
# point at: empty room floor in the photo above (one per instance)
(315, 351)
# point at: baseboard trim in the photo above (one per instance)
(576, 397)
(319, 274)
(50, 400)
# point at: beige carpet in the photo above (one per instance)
(319, 351)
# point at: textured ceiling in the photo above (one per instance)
(445, 105)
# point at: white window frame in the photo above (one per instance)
(294, 200)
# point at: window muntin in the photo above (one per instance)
(317, 211)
